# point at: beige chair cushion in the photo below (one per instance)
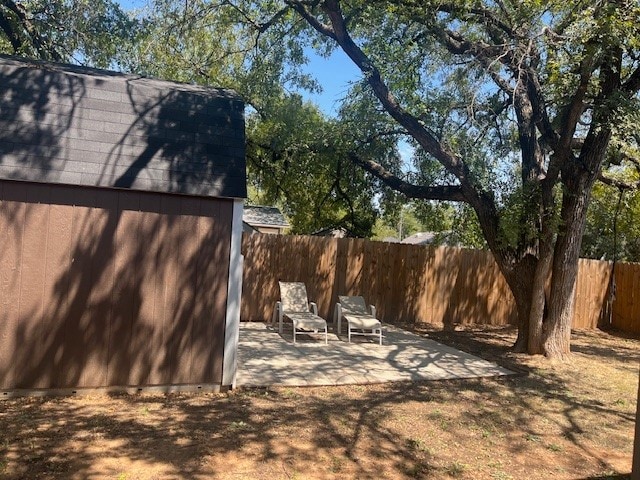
(293, 296)
(306, 321)
(353, 305)
(362, 321)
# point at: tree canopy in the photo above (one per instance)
(513, 108)
(295, 154)
(77, 31)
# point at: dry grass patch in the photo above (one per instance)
(563, 421)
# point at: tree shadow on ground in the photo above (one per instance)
(406, 429)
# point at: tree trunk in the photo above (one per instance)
(556, 335)
(518, 278)
(539, 296)
(522, 295)
(536, 312)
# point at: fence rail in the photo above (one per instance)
(417, 284)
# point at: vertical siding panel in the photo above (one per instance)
(221, 240)
(157, 343)
(146, 328)
(212, 276)
(200, 333)
(168, 251)
(80, 280)
(60, 286)
(106, 283)
(31, 284)
(187, 278)
(125, 290)
(56, 286)
(95, 305)
(12, 332)
(84, 296)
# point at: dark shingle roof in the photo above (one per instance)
(82, 126)
(260, 216)
(420, 238)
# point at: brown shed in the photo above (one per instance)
(120, 226)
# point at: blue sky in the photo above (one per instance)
(333, 73)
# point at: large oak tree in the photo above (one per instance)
(545, 90)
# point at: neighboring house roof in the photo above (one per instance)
(263, 216)
(246, 228)
(420, 238)
(332, 232)
(82, 126)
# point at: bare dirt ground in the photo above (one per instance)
(554, 421)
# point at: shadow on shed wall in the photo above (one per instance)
(103, 287)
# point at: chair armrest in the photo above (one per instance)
(373, 310)
(314, 308)
(276, 313)
(337, 319)
(277, 316)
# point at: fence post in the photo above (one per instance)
(635, 471)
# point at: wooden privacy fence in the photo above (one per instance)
(415, 284)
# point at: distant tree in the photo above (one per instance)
(613, 226)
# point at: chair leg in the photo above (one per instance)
(326, 335)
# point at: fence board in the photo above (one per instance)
(416, 284)
(626, 307)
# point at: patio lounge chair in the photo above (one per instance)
(360, 321)
(294, 306)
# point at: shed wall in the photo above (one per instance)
(105, 287)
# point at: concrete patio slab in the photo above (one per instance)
(267, 358)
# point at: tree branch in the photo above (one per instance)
(9, 31)
(443, 192)
(621, 184)
(632, 85)
(304, 12)
(389, 102)
(45, 52)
